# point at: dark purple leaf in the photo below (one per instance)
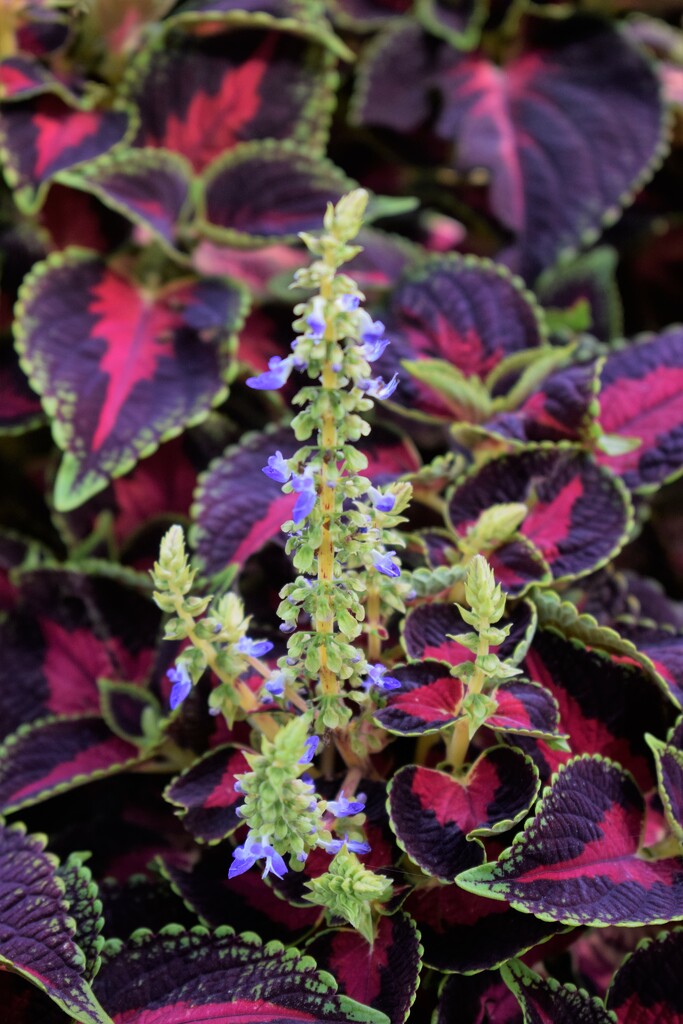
(578, 517)
(483, 999)
(427, 628)
(119, 370)
(526, 709)
(459, 22)
(268, 191)
(22, 77)
(429, 700)
(21, 409)
(22, 1002)
(37, 933)
(436, 816)
(465, 933)
(647, 987)
(383, 260)
(589, 280)
(201, 10)
(519, 565)
(82, 897)
(42, 29)
(641, 398)
(56, 754)
(201, 97)
(206, 795)
(384, 975)
(366, 14)
(577, 860)
(139, 901)
(222, 976)
(669, 763)
(131, 712)
(545, 1001)
(661, 647)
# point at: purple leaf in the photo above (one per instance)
(21, 409)
(647, 987)
(206, 795)
(545, 1001)
(82, 896)
(589, 279)
(130, 711)
(577, 860)
(526, 709)
(661, 648)
(428, 627)
(669, 764)
(429, 700)
(118, 369)
(482, 999)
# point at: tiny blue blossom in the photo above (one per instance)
(316, 318)
(383, 563)
(304, 485)
(348, 303)
(373, 349)
(354, 845)
(343, 808)
(245, 856)
(274, 377)
(277, 468)
(309, 750)
(254, 648)
(378, 678)
(382, 502)
(182, 684)
(376, 388)
(275, 684)
(368, 329)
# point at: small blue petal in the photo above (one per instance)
(383, 563)
(343, 808)
(277, 468)
(348, 303)
(254, 648)
(182, 684)
(382, 502)
(309, 750)
(274, 377)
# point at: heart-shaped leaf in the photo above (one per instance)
(429, 700)
(525, 709)
(577, 860)
(384, 975)
(545, 1001)
(206, 795)
(119, 369)
(647, 986)
(436, 816)
(222, 976)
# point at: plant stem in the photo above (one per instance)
(373, 622)
(460, 737)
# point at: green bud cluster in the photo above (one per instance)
(280, 807)
(348, 890)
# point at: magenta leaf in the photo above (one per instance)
(577, 862)
(647, 986)
(578, 517)
(436, 816)
(429, 700)
(640, 398)
(428, 629)
(660, 647)
(545, 1001)
(200, 97)
(120, 370)
(222, 976)
(22, 77)
(384, 975)
(268, 191)
(206, 795)
(525, 709)
(37, 928)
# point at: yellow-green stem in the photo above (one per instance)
(460, 737)
(372, 606)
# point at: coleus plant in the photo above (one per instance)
(419, 755)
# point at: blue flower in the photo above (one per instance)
(369, 330)
(309, 750)
(343, 808)
(254, 648)
(277, 468)
(316, 318)
(275, 684)
(376, 388)
(354, 845)
(382, 502)
(245, 856)
(348, 303)
(304, 485)
(377, 677)
(372, 350)
(274, 377)
(182, 684)
(383, 563)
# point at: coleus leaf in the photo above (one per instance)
(459, 22)
(640, 398)
(428, 701)
(119, 369)
(647, 986)
(574, 83)
(579, 516)
(21, 409)
(465, 933)
(82, 897)
(205, 793)
(22, 1002)
(384, 975)
(363, 15)
(577, 860)
(589, 279)
(37, 930)
(141, 900)
(483, 999)
(462, 310)
(45, 134)
(56, 754)
(545, 1001)
(435, 816)
(660, 647)
(22, 77)
(222, 976)
(130, 711)
(200, 97)
(266, 191)
(526, 709)
(427, 632)
(669, 764)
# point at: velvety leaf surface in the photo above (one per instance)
(56, 754)
(221, 975)
(44, 135)
(578, 95)
(130, 711)
(462, 310)
(578, 515)
(545, 1001)
(384, 975)
(427, 628)
(429, 700)
(589, 280)
(267, 190)
(206, 796)
(483, 999)
(200, 97)
(465, 933)
(669, 763)
(577, 861)
(525, 709)
(37, 931)
(662, 647)
(82, 896)
(120, 370)
(435, 815)
(605, 706)
(641, 398)
(647, 987)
